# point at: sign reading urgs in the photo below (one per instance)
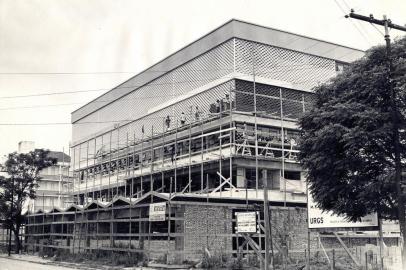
(320, 219)
(157, 211)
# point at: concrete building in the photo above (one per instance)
(55, 184)
(53, 188)
(201, 131)
(26, 146)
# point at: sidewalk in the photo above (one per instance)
(49, 261)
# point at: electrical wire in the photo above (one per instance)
(356, 27)
(300, 67)
(100, 72)
(84, 123)
(305, 66)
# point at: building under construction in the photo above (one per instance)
(164, 161)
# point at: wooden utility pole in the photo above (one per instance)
(387, 23)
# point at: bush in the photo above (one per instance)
(214, 261)
(235, 263)
(101, 257)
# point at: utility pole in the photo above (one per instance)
(387, 23)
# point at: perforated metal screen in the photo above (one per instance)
(155, 122)
(206, 68)
(303, 71)
(271, 100)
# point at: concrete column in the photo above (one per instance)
(179, 228)
(274, 179)
(241, 177)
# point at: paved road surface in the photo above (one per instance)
(8, 264)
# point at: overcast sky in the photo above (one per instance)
(59, 46)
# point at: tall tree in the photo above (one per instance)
(23, 175)
(348, 139)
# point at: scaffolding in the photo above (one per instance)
(184, 165)
(206, 158)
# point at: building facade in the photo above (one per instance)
(202, 131)
(54, 188)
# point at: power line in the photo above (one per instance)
(380, 32)
(52, 93)
(121, 121)
(67, 73)
(356, 27)
(139, 98)
(301, 67)
(304, 66)
(103, 72)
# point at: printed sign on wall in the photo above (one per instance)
(320, 219)
(157, 211)
(246, 222)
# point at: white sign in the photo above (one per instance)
(320, 219)
(157, 211)
(246, 222)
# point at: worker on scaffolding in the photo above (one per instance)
(197, 114)
(168, 122)
(182, 118)
(172, 151)
(226, 103)
(218, 106)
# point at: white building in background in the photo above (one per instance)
(26, 146)
(52, 190)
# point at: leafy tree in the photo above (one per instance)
(23, 175)
(348, 138)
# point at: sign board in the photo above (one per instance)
(246, 222)
(319, 219)
(157, 211)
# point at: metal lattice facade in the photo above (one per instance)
(303, 71)
(175, 92)
(210, 66)
(152, 122)
(268, 98)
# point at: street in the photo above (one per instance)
(11, 264)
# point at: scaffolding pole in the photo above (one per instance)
(141, 158)
(283, 148)
(255, 119)
(202, 161)
(94, 170)
(109, 168)
(231, 132)
(101, 168)
(118, 159)
(190, 155)
(87, 171)
(152, 160)
(176, 158)
(163, 156)
(169, 220)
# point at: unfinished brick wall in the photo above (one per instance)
(207, 226)
(352, 242)
(289, 228)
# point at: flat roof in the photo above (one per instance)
(231, 29)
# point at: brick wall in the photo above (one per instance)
(207, 226)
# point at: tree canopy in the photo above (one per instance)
(23, 172)
(347, 137)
